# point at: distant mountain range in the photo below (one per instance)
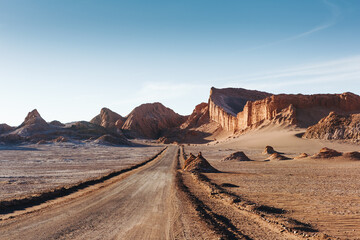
(228, 111)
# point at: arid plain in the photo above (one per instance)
(245, 165)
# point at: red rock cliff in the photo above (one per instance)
(227, 107)
(303, 110)
(224, 104)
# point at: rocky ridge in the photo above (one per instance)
(226, 103)
(287, 109)
(108, 119)
(4, 128)
(336, 127)
(151, 120)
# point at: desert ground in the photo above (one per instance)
(33, 168)
(322, 192)
(302, 198)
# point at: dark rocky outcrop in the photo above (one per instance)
(4, 128)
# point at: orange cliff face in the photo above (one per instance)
(225, 104)
(300, 110)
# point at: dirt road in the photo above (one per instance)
(140, 206)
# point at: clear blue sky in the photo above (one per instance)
(70, 58)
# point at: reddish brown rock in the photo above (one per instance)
(327, 153)
(302, 155)
(226, 103)
(237, 156)
(304, 110)
(189, 160)
(199, 164)
(236, 113)
(108, 119)
(352, 155)
(269, 150)
(199, 116)
(337, 127)
(151, 120)
(277, 156)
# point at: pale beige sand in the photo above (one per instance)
(325, 192)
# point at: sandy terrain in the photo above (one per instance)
(138, 206)
(31, 169)
(322, 192)
(141, 204)
(290, 199)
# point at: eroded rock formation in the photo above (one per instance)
(241, 113)
(237, 156)
(226, 103)
(151, 120)
(335, 126)
(198, 117)
(33, 123)
(108, 119)
(4, 128)
(198, 164)
(327, 153)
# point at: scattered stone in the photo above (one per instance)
(237, 156)
(327, 153)
(302, 155)
(199, 164)
(269, 150)
(189, 160)
(352, 155)
(277, 156)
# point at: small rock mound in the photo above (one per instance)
(199, 164)
(189, 160)
(327, 153)
(109, 139)
(237, 156)
(277, 156)
(302, 155)
(352, 155)
(269, 150)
